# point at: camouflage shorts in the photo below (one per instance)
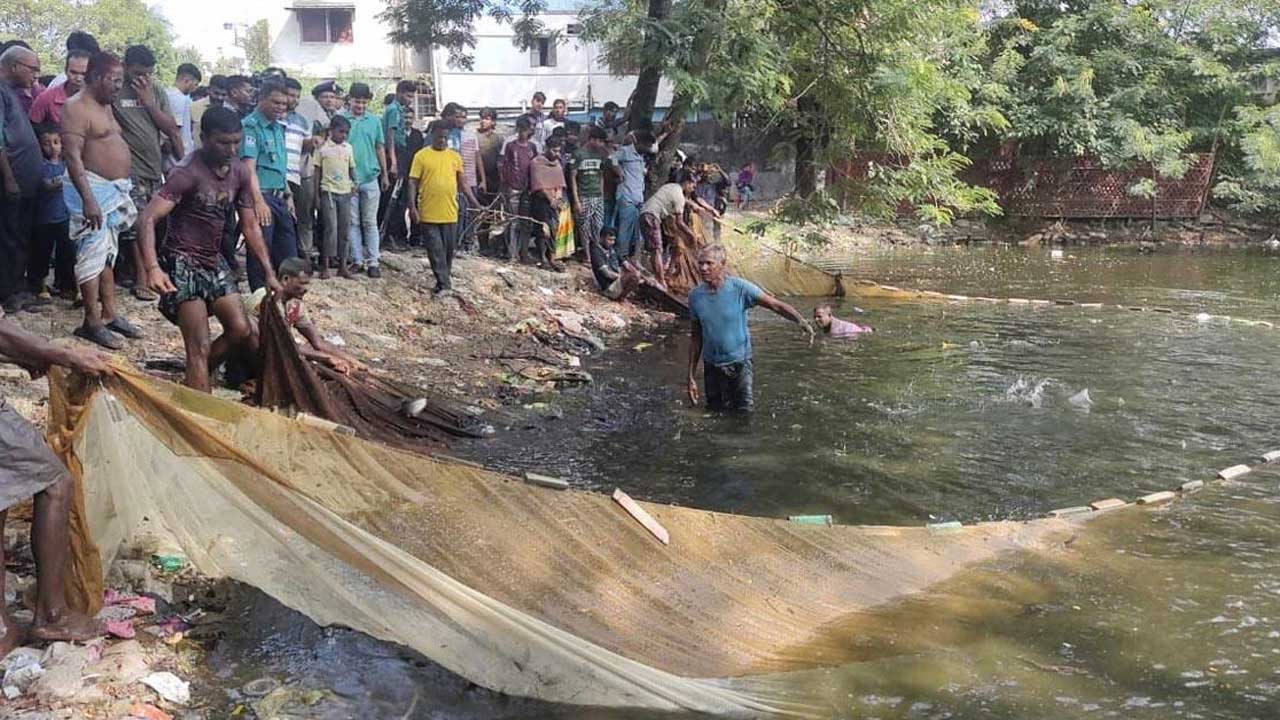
(195, 282)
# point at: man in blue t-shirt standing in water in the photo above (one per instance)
(720, 336)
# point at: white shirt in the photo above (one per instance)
(180, 108)
(667, 201)
(544, 130)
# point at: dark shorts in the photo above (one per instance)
(651, 231)
(27, 464)
(195, 282)
(729, 387)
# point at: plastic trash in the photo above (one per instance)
(146, 711)
(21, 669)
(1082, 400)
(261, 687)
(811, 519)
(169, 563)
(1204, 318)
(169, 687)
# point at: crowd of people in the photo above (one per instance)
(87, 152)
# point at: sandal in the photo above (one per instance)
(144, 294)
(99, 335)
(123, 327)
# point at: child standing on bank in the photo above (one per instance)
(51, 236)
(335, 163)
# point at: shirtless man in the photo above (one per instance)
(29, 468)
(98, 162)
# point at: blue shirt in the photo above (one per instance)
(393, 120)
(365, 139)
(180, 108)
(631, 164)
(20, 142)
(723, 317)
(263, 142)
(52, 209)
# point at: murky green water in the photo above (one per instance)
(965, 412)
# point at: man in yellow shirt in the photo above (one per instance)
(435, 179)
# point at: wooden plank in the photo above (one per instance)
(641, 516)
(545, 481)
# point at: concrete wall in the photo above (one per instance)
(503, 75)
(370, 48)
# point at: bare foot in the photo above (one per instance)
(68, 627)
(13, 635)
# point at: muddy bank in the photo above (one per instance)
(851, 234)
(509, 331)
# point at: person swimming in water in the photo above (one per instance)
(834, 326)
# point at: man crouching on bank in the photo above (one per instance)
(721, 339)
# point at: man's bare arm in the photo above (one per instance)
(157, 210)
(695, 354)
(253, 241)
(462, 185)
(260, 207)
(413, 198)
(36, 354)
(772, 303)
(389, 145)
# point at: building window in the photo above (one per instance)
(329, 26)
(543, 52)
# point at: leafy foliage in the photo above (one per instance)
(450, 24)
(115, 23)
(830, 77)
(257, 45)
(1143, 83)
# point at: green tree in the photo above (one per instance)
(256, 43)
(450, 24)
(44, 24)
(1143, 84)
(829, 77)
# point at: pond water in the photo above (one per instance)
(966, 411)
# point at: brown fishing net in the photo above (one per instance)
(370, 404)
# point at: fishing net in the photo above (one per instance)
(776, 271)
(556, 595)
(369, 404)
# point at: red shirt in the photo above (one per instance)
(47, 106)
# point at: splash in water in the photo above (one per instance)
(1026, 391)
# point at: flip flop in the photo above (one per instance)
(144, 294)
(100, 336)
(123, 327)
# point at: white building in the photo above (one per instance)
(325, 37)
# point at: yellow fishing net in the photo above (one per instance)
(556, 595)
(774, 270)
